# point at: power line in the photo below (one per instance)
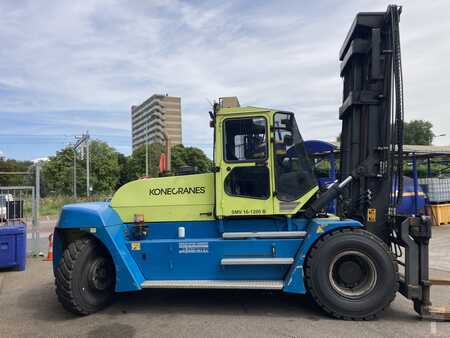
(62, 140)
(36, 135)
(29, 142)
(49, 136)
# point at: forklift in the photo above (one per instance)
(257, 221)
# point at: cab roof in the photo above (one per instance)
(244, 110)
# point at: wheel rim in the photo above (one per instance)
(352, 274)
(99, 275)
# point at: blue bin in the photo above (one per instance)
(13, 246)
(409, 202)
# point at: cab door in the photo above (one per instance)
(243, 183)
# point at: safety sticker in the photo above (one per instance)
(193, 247)
(135, 246)
(372, 215)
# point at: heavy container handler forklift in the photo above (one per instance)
(257, 220)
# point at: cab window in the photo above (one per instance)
(251, 182)
(293, 170)
(245, 139)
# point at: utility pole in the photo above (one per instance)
(83, 141)
(146, 149)
(88, 165)
(74, 173)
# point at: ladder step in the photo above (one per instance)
(257, 261)
(264, 234)
(214, 284)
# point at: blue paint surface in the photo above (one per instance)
(110, 230)
(413, 200)
(294, 281)
(161, 255)
(13, 246)
(199, 258)
(317, 147)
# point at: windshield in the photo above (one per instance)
(293, 169)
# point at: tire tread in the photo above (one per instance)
(64, 275)
(308, 277)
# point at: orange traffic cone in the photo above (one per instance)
(50, 248)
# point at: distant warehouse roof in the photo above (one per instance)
(427, 150)
(417, 149)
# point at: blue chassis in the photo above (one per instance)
(163, 256)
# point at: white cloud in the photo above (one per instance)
(107, 55)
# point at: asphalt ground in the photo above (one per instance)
(28, 307)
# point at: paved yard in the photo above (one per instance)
(28, 307)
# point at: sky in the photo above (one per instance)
(71, 66)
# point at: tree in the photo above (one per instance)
(104, 168)
(418, 132)
(136, 162)
(14, 165)
(190, 156)
(108, 169)
(57, 172)
(123, 170)
(133, 167)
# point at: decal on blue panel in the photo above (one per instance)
(193, 247)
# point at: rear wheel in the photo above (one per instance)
(351, 274)
(85, 277)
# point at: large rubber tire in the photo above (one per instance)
(85, 277)
(359, 290)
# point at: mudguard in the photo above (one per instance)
(101, 221)
(294, 281)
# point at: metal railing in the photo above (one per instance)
(437, 189)
(18, 204)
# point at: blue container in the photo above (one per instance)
(13, 246)
(411, 204)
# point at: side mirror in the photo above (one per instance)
(213, 118)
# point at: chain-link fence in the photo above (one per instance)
(16, 204)
(436, 189)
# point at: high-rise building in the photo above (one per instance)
(155, 115)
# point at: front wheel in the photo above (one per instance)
(351, 274)
(85, 277)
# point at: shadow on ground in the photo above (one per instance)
(192, 302)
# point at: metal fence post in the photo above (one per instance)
(38, 190)
(34, 224)
(36, 201)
